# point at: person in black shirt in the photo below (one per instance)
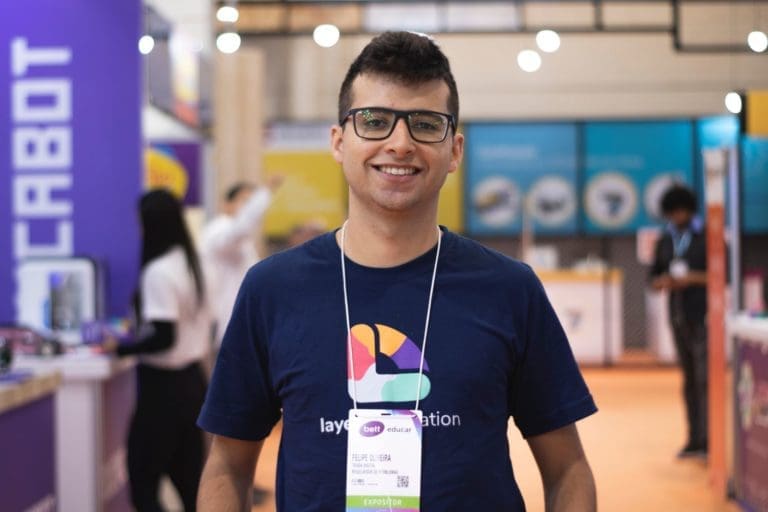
(680, 268)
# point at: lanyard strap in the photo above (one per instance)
(349, 329)
(680, 243)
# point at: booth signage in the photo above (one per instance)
(70, 139)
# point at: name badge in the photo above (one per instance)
(678, 268)
(384, 460)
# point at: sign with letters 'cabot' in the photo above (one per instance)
(70, 139)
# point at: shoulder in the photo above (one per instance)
(171, 263)
(297, 263)
(480, 261)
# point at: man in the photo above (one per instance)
(391, 317)
(227, 244)
(680, 268)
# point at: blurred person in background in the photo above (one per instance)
(171, 343)
(228, 245)
(305, 232)
(228, 250)
(680, 268)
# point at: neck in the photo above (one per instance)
(386, 242)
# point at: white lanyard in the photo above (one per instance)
(349, 329)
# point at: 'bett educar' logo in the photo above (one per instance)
(372, 428)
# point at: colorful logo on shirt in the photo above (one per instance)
(386, 364)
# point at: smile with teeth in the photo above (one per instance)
(397, 171)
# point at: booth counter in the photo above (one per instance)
(750, 337)
(590, 307)
(27, 458)
(93, 410)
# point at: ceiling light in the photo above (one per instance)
(227, 14)
(757, 41)
(733, 102)
(146, 44)
(548, 40)
(326, 35)
(228, 42)
(529, 61)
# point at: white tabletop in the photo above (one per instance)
(79, 364)
(748, 327)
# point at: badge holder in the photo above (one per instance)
(383, 460)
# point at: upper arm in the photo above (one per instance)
(568, 482)
(228, 475)
(235, 457)
(159, 300)
(226, 236)
(557, 451)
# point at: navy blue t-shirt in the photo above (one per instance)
(495, 349)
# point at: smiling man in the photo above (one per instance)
(394, 350)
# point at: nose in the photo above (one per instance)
(400, 141)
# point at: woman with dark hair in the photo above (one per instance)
(174, 326)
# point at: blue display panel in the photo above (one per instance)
(717, 132)
(754, 165)
(628, 166)
(712, 133)
(521, 170)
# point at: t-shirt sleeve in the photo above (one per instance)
(158, 295)
(548, 391)
(241, 402)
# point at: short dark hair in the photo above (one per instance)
(233, 191)
(405, 57)
(678, 197)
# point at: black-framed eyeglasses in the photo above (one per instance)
(378, 123)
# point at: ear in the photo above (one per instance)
(457, 152)
(337, 143)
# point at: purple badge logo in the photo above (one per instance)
(372, 428)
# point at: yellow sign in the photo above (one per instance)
(164, 171)
(314, 190)
(757, 113)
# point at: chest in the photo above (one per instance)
(467, 364)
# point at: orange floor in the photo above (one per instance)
(631, 444)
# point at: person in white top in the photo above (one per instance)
(227, 245)
(172, 342)
(228, 250)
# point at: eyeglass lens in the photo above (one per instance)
(373, 123)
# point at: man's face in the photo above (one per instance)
(396, 174)
(680, 217)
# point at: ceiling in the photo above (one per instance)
(705, 26)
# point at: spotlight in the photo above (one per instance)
(326, 35)
(548, 41)
(146, 44)
(757, 41)
(227, 14)
(529, 61)
(228, 42)
(733, 102)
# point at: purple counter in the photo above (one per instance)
(27, 464)
(93, 408)
(751, 402)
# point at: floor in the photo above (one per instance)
(631, 445)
